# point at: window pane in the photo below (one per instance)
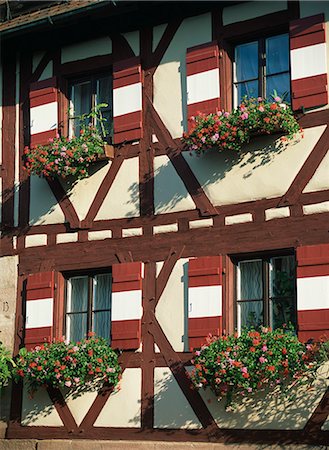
(249, 89)
(250, 314)
(101, 324)
(283, 311)
(251, 280)
(80, 102)
(104, 95)
(76, 326)
(277, 54)
(102, 291)
(282, 276)
(78, 294)
(246, 61)
(281, 83)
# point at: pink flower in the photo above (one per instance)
(277, 99)
(58, 375)
(260, 99)
(215, 137)
(249, 389)
(261, 109)
(244, 116)
(242, 108)
(50, 140)
(76, 380)
(226, 114)
(68, 383)
(262, 359)
(203, 139)
(244, 370)
(198, 353)
(110, 370)
(264, 348)
(75, 348)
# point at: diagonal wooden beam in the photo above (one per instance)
(62, 409)
(307, 171)
(163, 277)
(319, 415)
(96, 407)
(65, 203)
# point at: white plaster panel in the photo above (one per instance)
(171, 408)
(316, 208)
(99, 235)
(47, 72)
(123, 408)
(201, 223)
(63, 238)
(263, 169)
(169, 228)
(250, 10)
(127, 99)
(79, 405)
(171, 311)
(8, 296)
(308, 61)
(202, 86)
(82, 192)
(238, 218)
(157, 34)
(44, 118)
(128, 232)
(204, 301)
(87, 49)
(277, 213)
(33, 240)
(320, 179)
(126, 305)
(39, 410)
(39, 313)
(37, 57)
(170, 75)
(313, 293)
(44, 209)
(133, 41)
(122, 200)
(173, 196)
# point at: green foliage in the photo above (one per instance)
(90, 362)
(229, 131)
(236, 366)
(63, 156)
(6, 365)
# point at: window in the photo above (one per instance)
(261, 67)
(266, 293)
(88, 306)
(85, 94)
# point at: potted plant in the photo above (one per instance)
(6, 365)
(229, 131)
(64, 156)
(88, 363)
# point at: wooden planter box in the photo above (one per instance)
(108, 153)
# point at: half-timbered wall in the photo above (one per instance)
(155, 203)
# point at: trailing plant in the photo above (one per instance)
(64, 156)
(90, 362)
(229, 131)
(236, 366)
(6, 365)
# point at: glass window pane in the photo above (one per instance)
(80, 102)
(246, 61)
(78, 294)
(249, 89)
(282, 276)
(277, 54)
(250, 314)
(283, 311)
(102, 291)
(280, 83)
(101, 324)
(104, 91)
(76, 325)
(251, 280)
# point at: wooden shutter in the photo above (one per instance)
(126, 305)
(204, 299)
(313, 291)
(43, 111)
(39, 309)
(308, 55)
(202, 72)
(127, 100)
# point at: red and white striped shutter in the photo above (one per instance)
(202, 72)
(308, 56)
(127, 307)
(204, 299)
(313, 291)
(40, 289)
(43, 111)
(127, 100)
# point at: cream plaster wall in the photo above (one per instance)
(157, 34)
(8, 293)
(170, 193)
(133, 41)
(123, 408)
(79, 405)
(261, 170)
(250, 10)
(320, 179)
(170, 76)
(48, 71)
(82, 193)
(44, 209)
(34, 240)
(171, 408)
(39, 410)
(171, 310)
(123, 198)
(86, 49)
